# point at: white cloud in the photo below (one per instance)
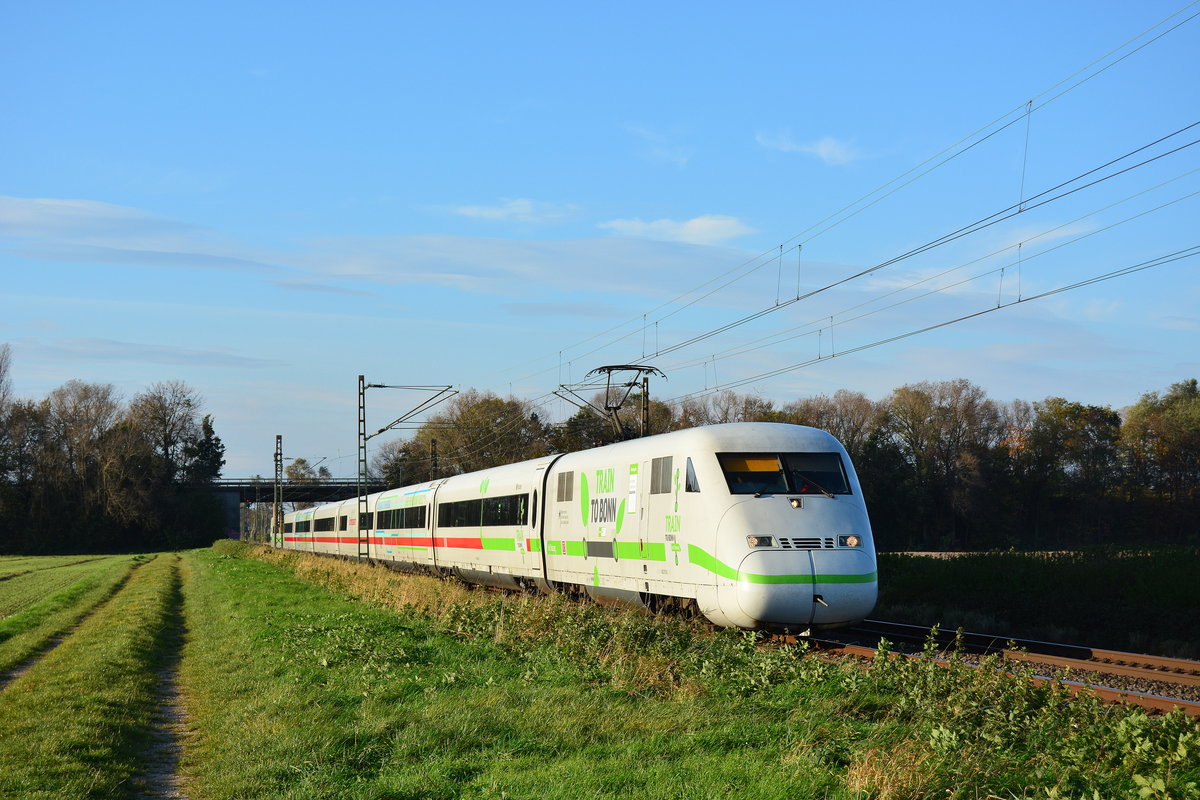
(482, 265)
(97, 349)
(659, 148)
(1101, 310)
(1177, 322)
(307, 285)
(82, 220)
(708, 229)
(572, 310)
(142, 257)
(89, 232)
(649, 259)
(833, 152)
(518, 210)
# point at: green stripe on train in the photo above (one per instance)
(633, 551)
(704, 560)
(649, 551)
(505, 543)
(510, 545)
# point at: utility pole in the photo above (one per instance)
(277, 505)
(442, 393)
(364, 541)
(645, 405)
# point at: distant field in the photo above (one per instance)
(312, 678)
(1140, 601)
(46, 597)
(16, 565)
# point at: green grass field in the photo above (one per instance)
(75, 724)
(38, 605)
(19, 565)
(313, 678)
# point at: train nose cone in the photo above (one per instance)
(776, 587)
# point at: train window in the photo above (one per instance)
(414, 517)
(566, 487)
(366, 521)
(821, 473)
(323, 524)
(463, 514)
(510, 509)
(342, 523)
(752, 473)
(397, 518)
(660, 475)
(303, 526)
(771, 473)
(287, 527)
(691, 484)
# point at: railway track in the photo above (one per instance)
(1152, 682)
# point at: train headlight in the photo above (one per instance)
(796, 502)
(760, 541)
(850, 541)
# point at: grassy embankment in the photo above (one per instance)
(1141, 601)
(298, 688)
(75, 723)
(48, 595)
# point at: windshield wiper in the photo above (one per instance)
(818, 486)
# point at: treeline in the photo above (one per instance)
(942, 465)
(82, 471)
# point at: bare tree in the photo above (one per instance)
(300, 471)
(5, 377)
(8, 452)
(480, 430)
(850, 416)
(723, 407)
(78, 416)
(166, 413)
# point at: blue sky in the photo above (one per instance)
(267, 199)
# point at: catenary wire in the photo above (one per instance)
(766, 256)
(1169, 258)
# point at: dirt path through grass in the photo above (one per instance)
(76, 723)
(160, 773)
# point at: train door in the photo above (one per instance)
(432, 527)
(660, 504)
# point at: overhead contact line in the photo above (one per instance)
(1178, 255)
(1023, 111)
(809, 328)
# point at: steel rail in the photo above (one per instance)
(1084, 659)
(1186, 673)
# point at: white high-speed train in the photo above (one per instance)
(759, 525)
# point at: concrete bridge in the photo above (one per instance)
(258, 490)
(234, 493)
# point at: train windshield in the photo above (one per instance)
(778, 473)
